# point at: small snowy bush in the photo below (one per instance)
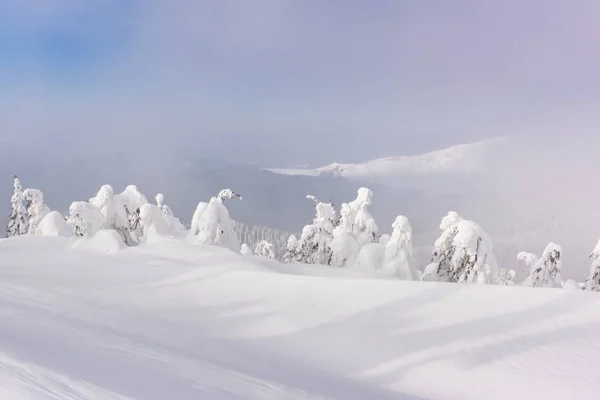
(265, 249)
(507, 277)
(245, 250)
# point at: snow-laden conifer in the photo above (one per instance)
(85, 219)
(115, 213)
(463, 253)
(316, 238)
(364, 227)
(399, 250)
(18, 223)
(211, 223)
(344, 246)
(545, 271)
(292, 250)
(593, 281)
(36, 209)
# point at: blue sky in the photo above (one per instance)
(282, 81)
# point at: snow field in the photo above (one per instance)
(168, 319)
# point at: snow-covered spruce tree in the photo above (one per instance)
(133, 200)
(18, 223)
(593, 281)
(292, 249)
(175, 224)
(545, 272)
(463, 253)
(316, 238)
(211, 223)
(507, 277)
(114, 212)
(363, 225)
(152, 223)
(85, 219)
(344, 247)
(265, 249)
(399, 251)
(160, 198)
(36, 209)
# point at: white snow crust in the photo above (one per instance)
(173, 320)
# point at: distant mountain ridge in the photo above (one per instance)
(469, 157)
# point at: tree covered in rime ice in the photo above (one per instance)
(593, 281)
(132, 200)
(399, 251)
(174, 223)
(265, 249)
(463, 253)
(160, 198)
(545, 271)
(152, 223)
(292, 250)
(18, 223)
(85, 219)
(364, 227)
(211, 223)
(316, 238)
(344, 246)
(36, 209)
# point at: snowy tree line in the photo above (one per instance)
(346, 236)
(253, 235)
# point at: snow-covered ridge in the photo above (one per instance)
(460, 158)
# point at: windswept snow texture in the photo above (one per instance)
(178, 321)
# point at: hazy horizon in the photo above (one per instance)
(279, 82)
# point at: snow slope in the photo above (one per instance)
(462, 158)
(168, 320)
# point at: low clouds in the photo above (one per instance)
(278, 81)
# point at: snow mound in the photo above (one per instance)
(104, 241)
(53, 224)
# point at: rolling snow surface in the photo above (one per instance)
(168, 320)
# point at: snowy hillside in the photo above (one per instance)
(462, 158)
(171, 320)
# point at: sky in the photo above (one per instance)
(288, 82)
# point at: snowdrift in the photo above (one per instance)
(172, 320)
